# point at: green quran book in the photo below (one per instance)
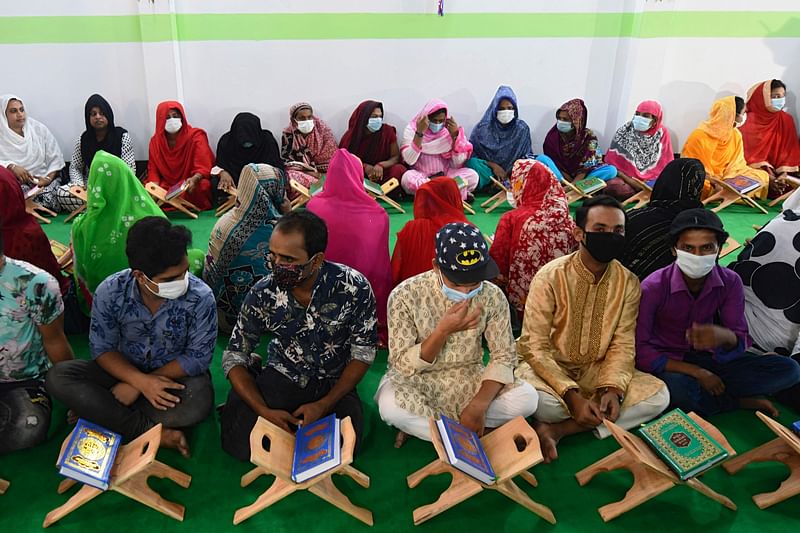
(682, 444)
(590, 185)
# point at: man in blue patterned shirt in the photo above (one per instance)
(322, 320)
(153, 332)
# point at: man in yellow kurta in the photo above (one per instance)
(437, 321)
(578, 335)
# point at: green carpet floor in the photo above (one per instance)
(215, 493)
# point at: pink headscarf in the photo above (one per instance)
(435, 143)
(642, 155)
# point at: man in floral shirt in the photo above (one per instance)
(322, 320)
(31, 338)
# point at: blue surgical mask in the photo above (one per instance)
(564, 126)
(458, 296)
(374, 123)
(778, 103)
(436, 128)
(641, 123)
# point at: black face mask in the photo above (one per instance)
(604, 246)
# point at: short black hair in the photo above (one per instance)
(582, 212)
(739, 104)
(154, 245)
(777, 84)
(312, 227)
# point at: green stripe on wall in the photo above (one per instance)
(293, 26)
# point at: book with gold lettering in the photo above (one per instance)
(317, 448)
(90, 454)
(465, 451)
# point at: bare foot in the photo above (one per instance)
(548, 439)
(759, 404)
(400, 439)
(72, 417)
(174, 438)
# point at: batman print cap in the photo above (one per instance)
(462, 254)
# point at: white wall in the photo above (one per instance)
(217, 79)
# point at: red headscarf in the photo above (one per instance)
(769, 135)
(23, 237)
(437, 202)
(191, 153)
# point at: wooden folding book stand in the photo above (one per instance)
(303, 194)
(641, 198)
(135, 463)
(80, 193)
(228, 204)
(651, 476)
(784, 449)
(574, 193)
(727, 195)
(497, 200)
(512, 449)
(36, 209)
(730, 246)
(4, 486)
(387, 187)
(278, 462)
(160, 196)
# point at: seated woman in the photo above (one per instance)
(307, 145)
(245, 143)
(437, 202)
(100, 134)
(717, 143)
(358, 228)
(639, 150)
(648, 246)
(180, 152)
(374, 142)
(500, 138)
(769, 134)
(573, 147)
(435, 145)
(29, 151)
(538, 230)
(240, 239)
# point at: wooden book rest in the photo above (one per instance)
(651, 476)
(228, 204)
(499, 197)
(160, 196)
(36, 209)
(727, 195)
(4, 485)
(793, 182)
(574, 193)
(387, 187)
(278, 462)
(730, 246)
(784, 449)
(512, 449)
(135, 463)
(80, 193)
(641, 198)
(303, 194)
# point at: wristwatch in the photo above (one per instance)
(418, 134)
(621, 397)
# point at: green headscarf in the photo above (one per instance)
(116, 199)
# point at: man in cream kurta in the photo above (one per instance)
(437, 321)
(578, 335)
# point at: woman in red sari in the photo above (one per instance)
(537, 231)
(374, 142)
(180, 152)
(437, 202)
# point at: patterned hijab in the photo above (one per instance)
(501, 143)
(642, 154)
(567, 153)
(315, 149)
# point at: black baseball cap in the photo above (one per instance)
(697, 218)
(462, 254)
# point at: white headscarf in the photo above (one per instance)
(37, 151)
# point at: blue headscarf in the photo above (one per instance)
(501, 144)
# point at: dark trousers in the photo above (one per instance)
(791, 396)
(85, 387)
(24, 415)
(280, 393)
(744, 377)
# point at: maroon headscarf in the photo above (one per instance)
(374, 147)
(569, 154)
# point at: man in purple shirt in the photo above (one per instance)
(692, 331)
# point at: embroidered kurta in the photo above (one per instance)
(446, 385)
(579, 334)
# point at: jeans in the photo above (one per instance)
(280, 393)
(24, 415)
(85, 387)
(744, 377)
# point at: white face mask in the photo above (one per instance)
(173, 125)
(170, 290)
(305, 126)
(695, 266)
(564, 126)
(504, 116)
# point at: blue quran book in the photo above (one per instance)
(90, 454)
(464, 450)
(796, 427)
(317, 448)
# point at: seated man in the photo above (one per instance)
(437, 321)
(154, 327)
(31, 338)
(692, 331)
(324, 328)
(578, 335)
